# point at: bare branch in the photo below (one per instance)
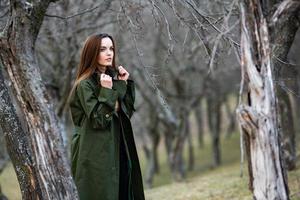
(170, 44)
(217, 43)
(284, 6)
(205, 18)
(226, 30)
(106, 4)
(287, 89)
(165, 106)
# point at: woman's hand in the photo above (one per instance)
(123, 74)
(106, 81)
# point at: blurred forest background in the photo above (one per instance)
(184, 58)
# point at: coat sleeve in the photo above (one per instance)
(129, 98)
(98, 103)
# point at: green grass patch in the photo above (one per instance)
(9, 183)
(230, 153)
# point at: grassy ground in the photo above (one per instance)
(207, 183)
(9, 183)
(219, 184)
(204, 182)
(203, 159)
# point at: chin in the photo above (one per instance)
(106, 64)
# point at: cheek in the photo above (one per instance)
(100, 57)
(112, 55)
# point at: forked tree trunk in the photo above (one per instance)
(37, 154)
(259, 119)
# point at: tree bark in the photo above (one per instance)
(3, 153)
(287, 133)
(17, 145)
(37, 152)
(259, 119)
(286, 78)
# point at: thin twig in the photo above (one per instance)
(77, 14)
(287, 89)
(283, 7)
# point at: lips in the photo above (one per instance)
(108, 59)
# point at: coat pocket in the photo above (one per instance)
(102, 118)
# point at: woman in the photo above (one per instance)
(105, 163)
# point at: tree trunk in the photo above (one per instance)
(3, 153)
(153, 166)
(191, 158)
(287, 133)
(230, 117)
(258, 119)
(177, 164)
(17, 145)
(37, 153)
(199, 120)
(286, 79)
(214, 122)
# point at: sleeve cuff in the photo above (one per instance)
(108, 96)
(130, 84)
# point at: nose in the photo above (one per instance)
(109, 52)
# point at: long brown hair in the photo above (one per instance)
(88, 59)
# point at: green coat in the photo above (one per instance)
(95, 144)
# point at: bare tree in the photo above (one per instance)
(178, 73)
(259, 118)
(36, 150)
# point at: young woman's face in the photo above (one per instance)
(106, 54)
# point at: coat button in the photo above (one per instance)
(107, 115)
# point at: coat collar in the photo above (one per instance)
(112, 72)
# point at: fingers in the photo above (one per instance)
(123, 72)
(105, 77)
(106, 80)
(120, 67)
